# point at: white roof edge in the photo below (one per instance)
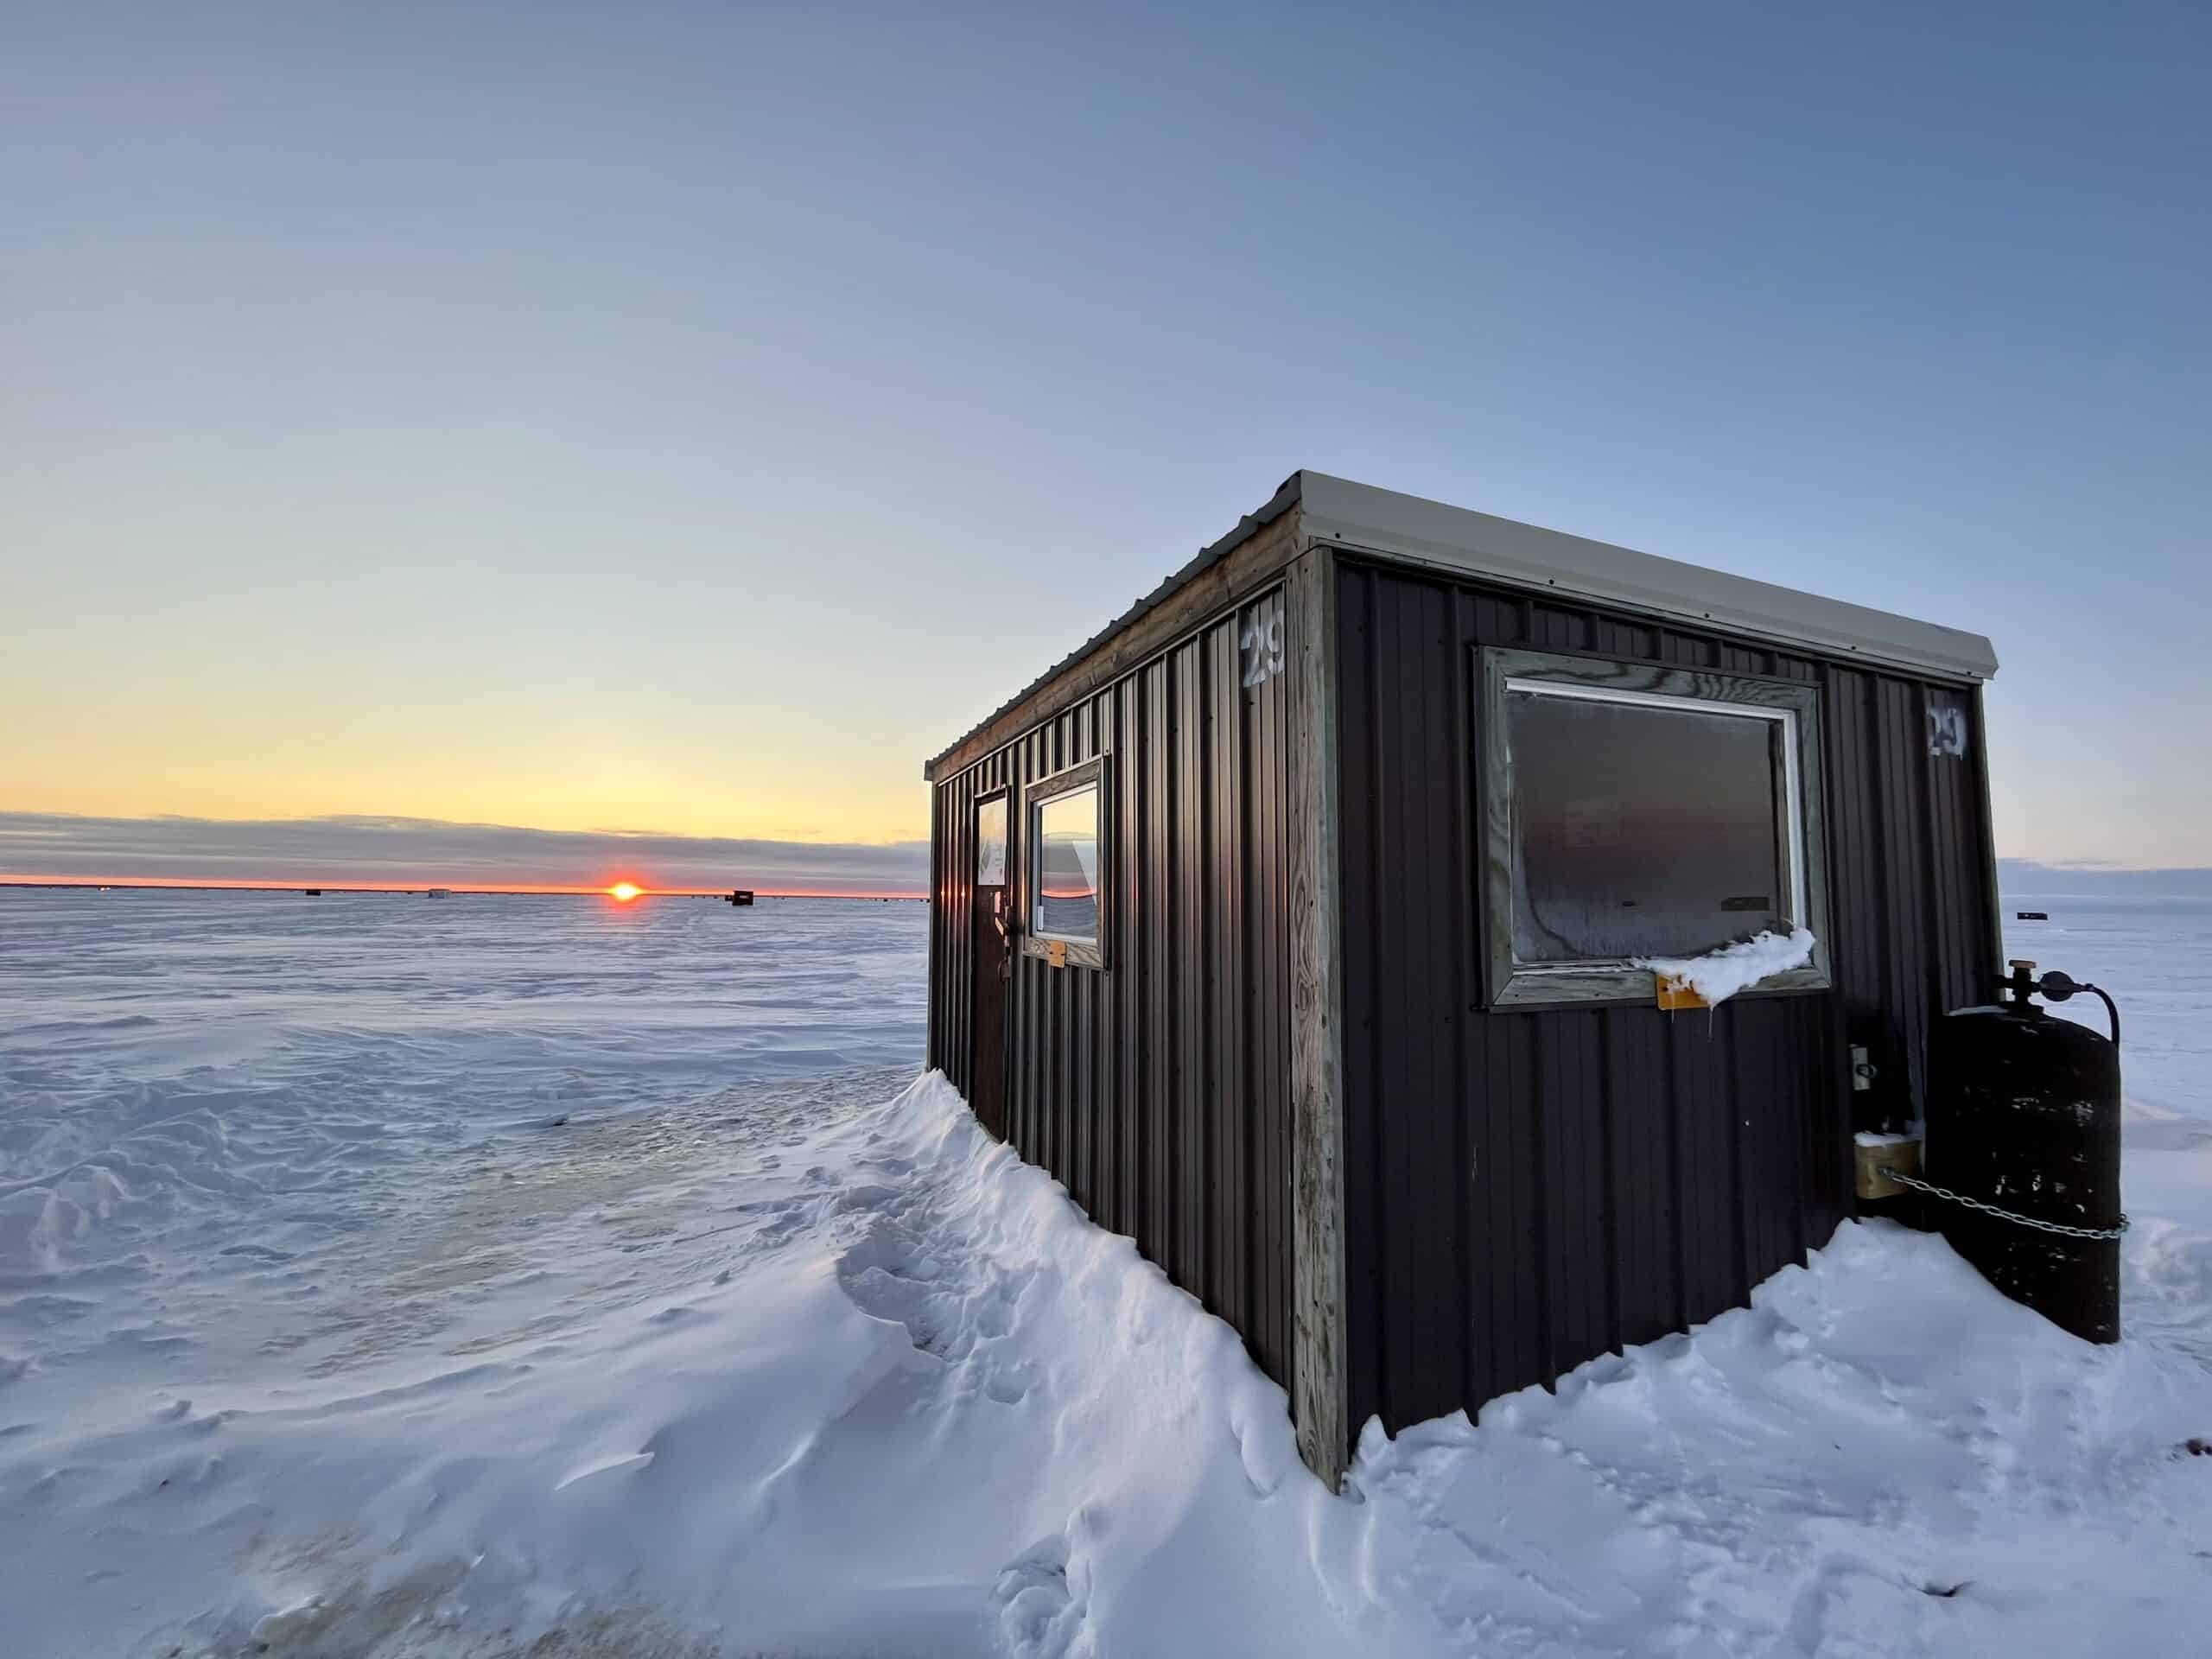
(1363, 518)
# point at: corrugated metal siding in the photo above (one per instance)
(1157, 1090)
(1526, 1189)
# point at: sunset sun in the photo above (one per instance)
(623, 892)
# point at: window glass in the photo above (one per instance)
(1064, 857)
(990, 843)
(1643, 832)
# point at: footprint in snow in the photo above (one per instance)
(1010, 1385)
(1040, 1616)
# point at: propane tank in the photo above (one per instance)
(2024, 1115)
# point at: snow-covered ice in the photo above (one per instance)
(532, 1276)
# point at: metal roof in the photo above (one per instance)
(1406, 527)
(1411, 529)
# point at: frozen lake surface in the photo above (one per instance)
(332, 1123)
(495, 1276)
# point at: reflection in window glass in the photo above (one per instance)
(990, 843)
(1640, 831)
(1064, 860)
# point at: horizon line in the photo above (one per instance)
(513, 889)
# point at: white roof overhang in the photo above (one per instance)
(1364, 519)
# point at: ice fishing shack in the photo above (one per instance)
(1292, 922)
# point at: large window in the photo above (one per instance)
(1641, 811)
(1063, 861)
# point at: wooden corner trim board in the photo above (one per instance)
(1319, 1405)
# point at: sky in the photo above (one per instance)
(683, 420)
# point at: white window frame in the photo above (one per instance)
(1036, 941)
(1791, 706)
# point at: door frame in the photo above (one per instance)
(1005, 795)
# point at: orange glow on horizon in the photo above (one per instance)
(525, 888)
(623, 892)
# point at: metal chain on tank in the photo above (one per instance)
(2058, 1227)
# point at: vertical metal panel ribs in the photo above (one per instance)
(1157, 1091)
(1527, 1190)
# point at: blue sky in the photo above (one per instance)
(687, 418)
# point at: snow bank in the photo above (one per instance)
(1719, 975)
(876, 1386)
(1881, 1456)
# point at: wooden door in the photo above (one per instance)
(993, 956)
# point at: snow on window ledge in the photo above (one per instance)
(1719, 975)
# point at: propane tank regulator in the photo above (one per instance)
(2053, 987)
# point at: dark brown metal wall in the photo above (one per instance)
(1526, 1189)
(1158, 1089)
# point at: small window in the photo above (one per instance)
(1065, 864)
(990, 841)
(1643, 811)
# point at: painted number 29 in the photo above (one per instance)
(1261, 647)
(1947, 732)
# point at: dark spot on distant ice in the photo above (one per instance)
(1945, 1590)
(2197, 1447)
